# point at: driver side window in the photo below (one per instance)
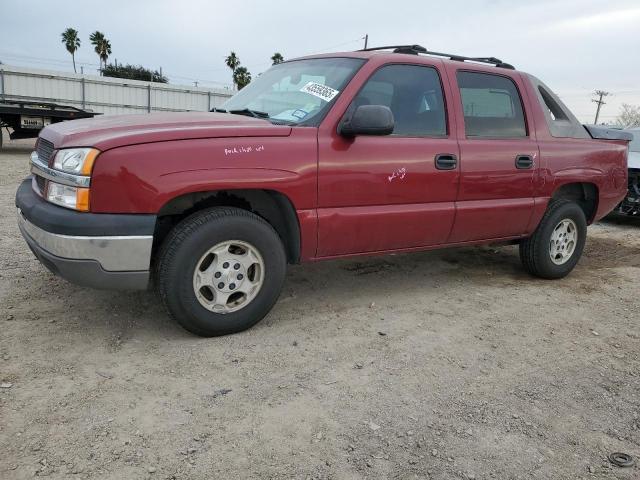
(414, 95)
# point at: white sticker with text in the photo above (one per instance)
(321, 91)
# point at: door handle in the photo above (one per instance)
(524, 162)
(446, 161)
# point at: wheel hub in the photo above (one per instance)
(228, 276)
(563, 241)
(229, 279)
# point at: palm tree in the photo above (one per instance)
(102, 47)
(72, 43)
(241, 77)
(277, 58)
(105, 51)
(96, 39)
(233, 62)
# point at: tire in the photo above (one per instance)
(191, 297)
(537, 252)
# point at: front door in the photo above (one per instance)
(498, 157)
(381, 193)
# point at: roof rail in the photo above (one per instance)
(419, 49)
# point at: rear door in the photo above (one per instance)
(499, 156)
(381, 193)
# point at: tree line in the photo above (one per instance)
(102, 47)
(240, 75)
(629, 114)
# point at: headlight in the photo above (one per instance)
(70, 197)
(75, 160)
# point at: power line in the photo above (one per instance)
(617, 93)
(45, 60)
(335, 46)
(321, 50)
(608, 115)
(66, 63)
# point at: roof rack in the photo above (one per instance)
(419, 49)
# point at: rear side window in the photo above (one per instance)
(555, 111)
(492, 106)
(561, 122)
(414, 95)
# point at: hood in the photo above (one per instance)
(110, 131)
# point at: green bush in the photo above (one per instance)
(134, 72)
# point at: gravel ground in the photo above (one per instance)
(439, 365)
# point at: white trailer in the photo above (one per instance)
(31, 99)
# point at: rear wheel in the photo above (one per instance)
(220, 271)
(557, 244)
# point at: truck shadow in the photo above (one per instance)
(622, 220)
(341, 285)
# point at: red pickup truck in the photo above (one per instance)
(393, 149)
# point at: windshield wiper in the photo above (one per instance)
(242, 111)
(248, 112)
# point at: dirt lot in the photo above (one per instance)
(439, 365)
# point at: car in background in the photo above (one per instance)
(631, 204)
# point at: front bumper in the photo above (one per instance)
(97, 250)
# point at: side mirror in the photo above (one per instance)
(367, 120)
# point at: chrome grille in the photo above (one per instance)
(41, 183)
(44, 148)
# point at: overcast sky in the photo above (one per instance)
(575, 46)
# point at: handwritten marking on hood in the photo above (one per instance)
(243, 149)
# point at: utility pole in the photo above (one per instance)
(366, 41)
(601, 94)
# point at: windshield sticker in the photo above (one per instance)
(321, 91)
(299, 113)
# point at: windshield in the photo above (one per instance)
(297, 92)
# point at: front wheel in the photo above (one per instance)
(556, 246)
(220, 271)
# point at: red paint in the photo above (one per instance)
(352, 196)
(111, 131)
